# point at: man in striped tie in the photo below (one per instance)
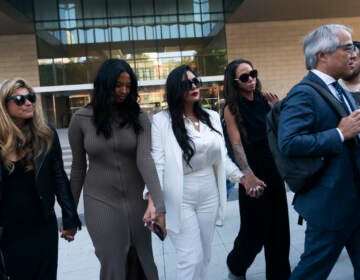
(310, 127)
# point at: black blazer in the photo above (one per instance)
(51, 181)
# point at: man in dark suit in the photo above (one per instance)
(308, 126)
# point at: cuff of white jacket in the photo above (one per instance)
(236, 176)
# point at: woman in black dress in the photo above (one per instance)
(262, 199)
(31, 176)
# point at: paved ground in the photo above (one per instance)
(77, 260)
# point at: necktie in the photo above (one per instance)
(340, 94)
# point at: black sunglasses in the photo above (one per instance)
(189, 83)
(245, 77)
(21, 99)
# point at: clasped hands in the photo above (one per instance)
(254, 187)
(68, 234)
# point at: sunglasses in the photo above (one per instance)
(245, 77)
(21, 99)
(188, 84)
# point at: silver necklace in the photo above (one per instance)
(191, 118)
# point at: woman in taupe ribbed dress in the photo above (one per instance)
(115, 135)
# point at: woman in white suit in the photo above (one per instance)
(191, 160)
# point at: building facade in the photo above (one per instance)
(69, 39)
(58, 45)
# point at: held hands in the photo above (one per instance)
(151, 217)
(254, 187)
(68, 234)
(271, 98)
(350, 125)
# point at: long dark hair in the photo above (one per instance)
(232, 95)
(102, 99)
(175, 89)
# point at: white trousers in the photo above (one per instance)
(198, 214)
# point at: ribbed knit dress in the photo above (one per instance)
(119, 167)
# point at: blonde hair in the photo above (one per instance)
(33, 137)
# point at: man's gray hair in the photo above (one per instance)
(322, 39)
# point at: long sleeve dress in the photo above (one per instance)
(113, 185)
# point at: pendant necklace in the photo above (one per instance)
(195, 123)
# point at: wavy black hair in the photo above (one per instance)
(102, 99)
(175, 89)
(232, 94)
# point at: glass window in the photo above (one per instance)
(90, 36)
(186, 18)
(189, 30)
(59, 74)
(75, 73)
(174, 31)
(46, 25)
(63, 36)
(115, 34)
(92, 68)
(198, 30)
(81, 33)
(139, 33)
(46, 75)
(100, 35)
(165, 31)
(215, 6)
(119, 8)
(141, 7)
(94, 9)
(70, 9)
(165, 7)
(67, 24)
(150, 33)
(125, 34)
(118, 21)
(158, 32)
(45, 10)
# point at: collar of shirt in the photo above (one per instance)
(328, 80)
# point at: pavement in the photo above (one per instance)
(77, 260)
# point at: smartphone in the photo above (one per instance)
(158, 231)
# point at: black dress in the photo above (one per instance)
(29, 242)
(264, 221)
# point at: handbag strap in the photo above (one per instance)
(329, 98)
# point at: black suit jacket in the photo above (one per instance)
(51, 181)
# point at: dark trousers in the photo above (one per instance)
(264, 223)
(134, 269)
(322, 249)
(32, 255)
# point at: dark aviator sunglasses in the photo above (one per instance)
(21, 99)
(245, 77)
(188, 83)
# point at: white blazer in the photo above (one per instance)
(167, 156)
